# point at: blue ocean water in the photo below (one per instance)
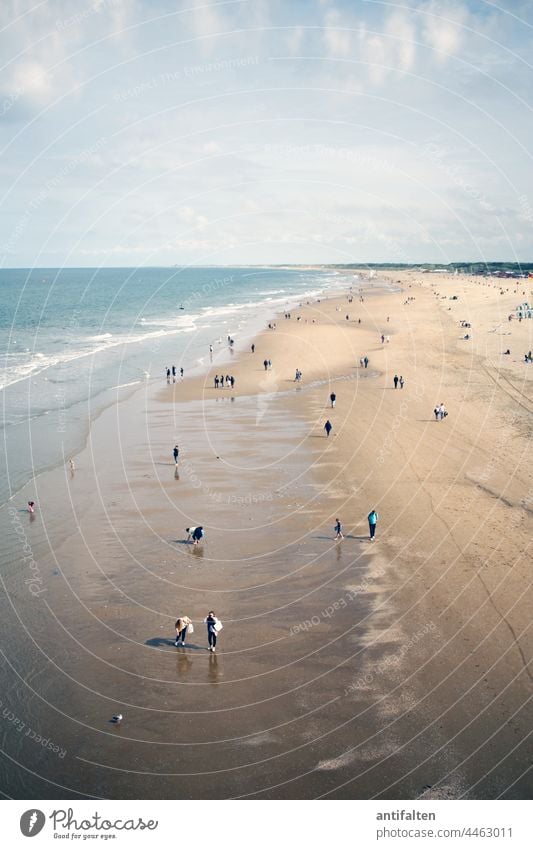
(72, 339)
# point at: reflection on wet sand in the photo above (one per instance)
(213, 669)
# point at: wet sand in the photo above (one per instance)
(344, 670)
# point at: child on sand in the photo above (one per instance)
(31, 506)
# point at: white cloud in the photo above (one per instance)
(211, 147)
(189, 216)
(294, 40)
(443, 28)
(337, 37)
(31, 78)
(403, 50)
(378, 57)
(206, 22)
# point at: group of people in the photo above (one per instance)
(172, 373)
(398, 380)
(440, 412)
(195, 534)
(372, 524)
(184, 625)
(219, 381)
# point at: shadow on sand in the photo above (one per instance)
(159, 642)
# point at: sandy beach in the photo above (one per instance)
(398, 669)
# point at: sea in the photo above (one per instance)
(74, 341)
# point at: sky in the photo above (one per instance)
(150, 132)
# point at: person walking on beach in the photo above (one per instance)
(216, 381)
(265, 363)
(402, 381)
(232, 381)
(176, 454)
(31, 506)
(173, 374)
(333, 399)
(210, 349)
(338, 530)
(372, 522)
(253, 349)
(168, 375)
(222, 381)
(181, 372)
(366, 361)
(214, 625)
(328, 427)
(197, 535)
(396, 378)
(182, 624)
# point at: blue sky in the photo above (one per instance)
(159, 133)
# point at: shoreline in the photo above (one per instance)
(42, 431)
(370, 653)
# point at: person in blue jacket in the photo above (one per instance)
(372, 522)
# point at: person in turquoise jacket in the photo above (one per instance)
(372, 522)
